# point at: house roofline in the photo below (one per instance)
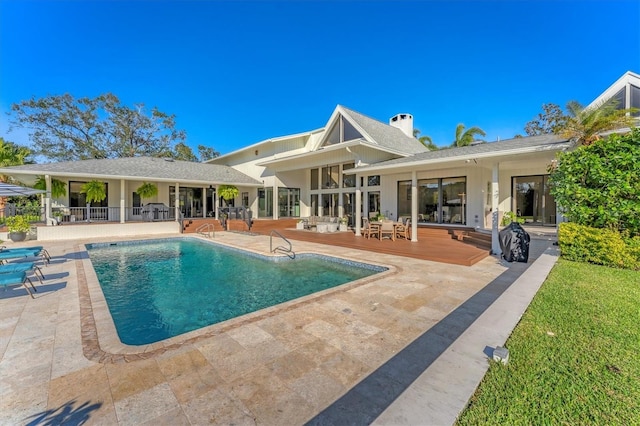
(471, 156)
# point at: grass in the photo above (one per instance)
(574, 356)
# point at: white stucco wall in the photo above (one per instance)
(107, 230)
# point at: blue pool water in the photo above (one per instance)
(162, 288)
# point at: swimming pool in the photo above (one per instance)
(157, 289)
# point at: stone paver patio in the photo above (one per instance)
(61, 359)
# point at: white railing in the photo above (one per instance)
(106, 214)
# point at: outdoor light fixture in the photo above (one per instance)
(501, 354)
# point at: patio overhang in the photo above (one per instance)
(324, 155)
(486, 159)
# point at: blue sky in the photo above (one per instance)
(238, 72)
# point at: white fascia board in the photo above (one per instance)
(414, 164)
(358, 142)
(628, 78)
(264, 142)
(118, 177)
(279, 158)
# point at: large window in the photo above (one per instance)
(190, 200)
(330, 177)
(439, 200)
(314, 179)
(348, 204)
(330, 205)
(374, 203)
(78, 199)
(289, 202)
(635, 100)
(265, 202)
(532, 200)
(348, 181)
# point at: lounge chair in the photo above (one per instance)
(36, 251)
(14, 278)
(22, 267)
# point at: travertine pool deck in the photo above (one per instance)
(299, 362)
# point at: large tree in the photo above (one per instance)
(551, 120)
(466, 137)
(64, 128)
(207, 153)
(584, 125)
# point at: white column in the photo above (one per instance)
(47, 200)
(414, 206)
(215, 204)
(357, 207)
(495, 198)
(276, 206)
(122, 201)
(177, 201)
(204, 202)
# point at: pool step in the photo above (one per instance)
(190, 226)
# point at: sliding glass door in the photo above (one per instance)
(532, 200)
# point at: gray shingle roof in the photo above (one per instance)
(147, 168)
(541, 143)
(385, 135)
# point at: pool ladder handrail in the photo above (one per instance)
(206, 230)
(286, 250)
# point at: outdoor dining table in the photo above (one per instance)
(395, 228)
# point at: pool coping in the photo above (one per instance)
(100, 341)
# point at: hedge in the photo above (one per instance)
(599, 246)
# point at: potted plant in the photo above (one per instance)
(147, 190)
(18, 226)
(343, 223)
(94, 191)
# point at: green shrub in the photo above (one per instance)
(510, 217)
(599, 185)
(599, 246)
(18, 224)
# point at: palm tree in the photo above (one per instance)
(425, 140)
(585, 125)
(466, 137)
(12, 155)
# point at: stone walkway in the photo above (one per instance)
(295, 363)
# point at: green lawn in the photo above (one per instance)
(574, 356)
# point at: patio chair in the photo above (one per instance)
(15, 278)
(404, 230)
(369, 229)
(22, 267)
(388, 228)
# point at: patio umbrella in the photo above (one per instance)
(11, 190)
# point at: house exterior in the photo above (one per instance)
(357, 166)
(354, 166)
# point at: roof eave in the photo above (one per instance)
(470, 156)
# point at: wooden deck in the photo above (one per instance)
(436, 244)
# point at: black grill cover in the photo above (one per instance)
(514, 243)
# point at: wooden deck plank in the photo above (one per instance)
(433, 244)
